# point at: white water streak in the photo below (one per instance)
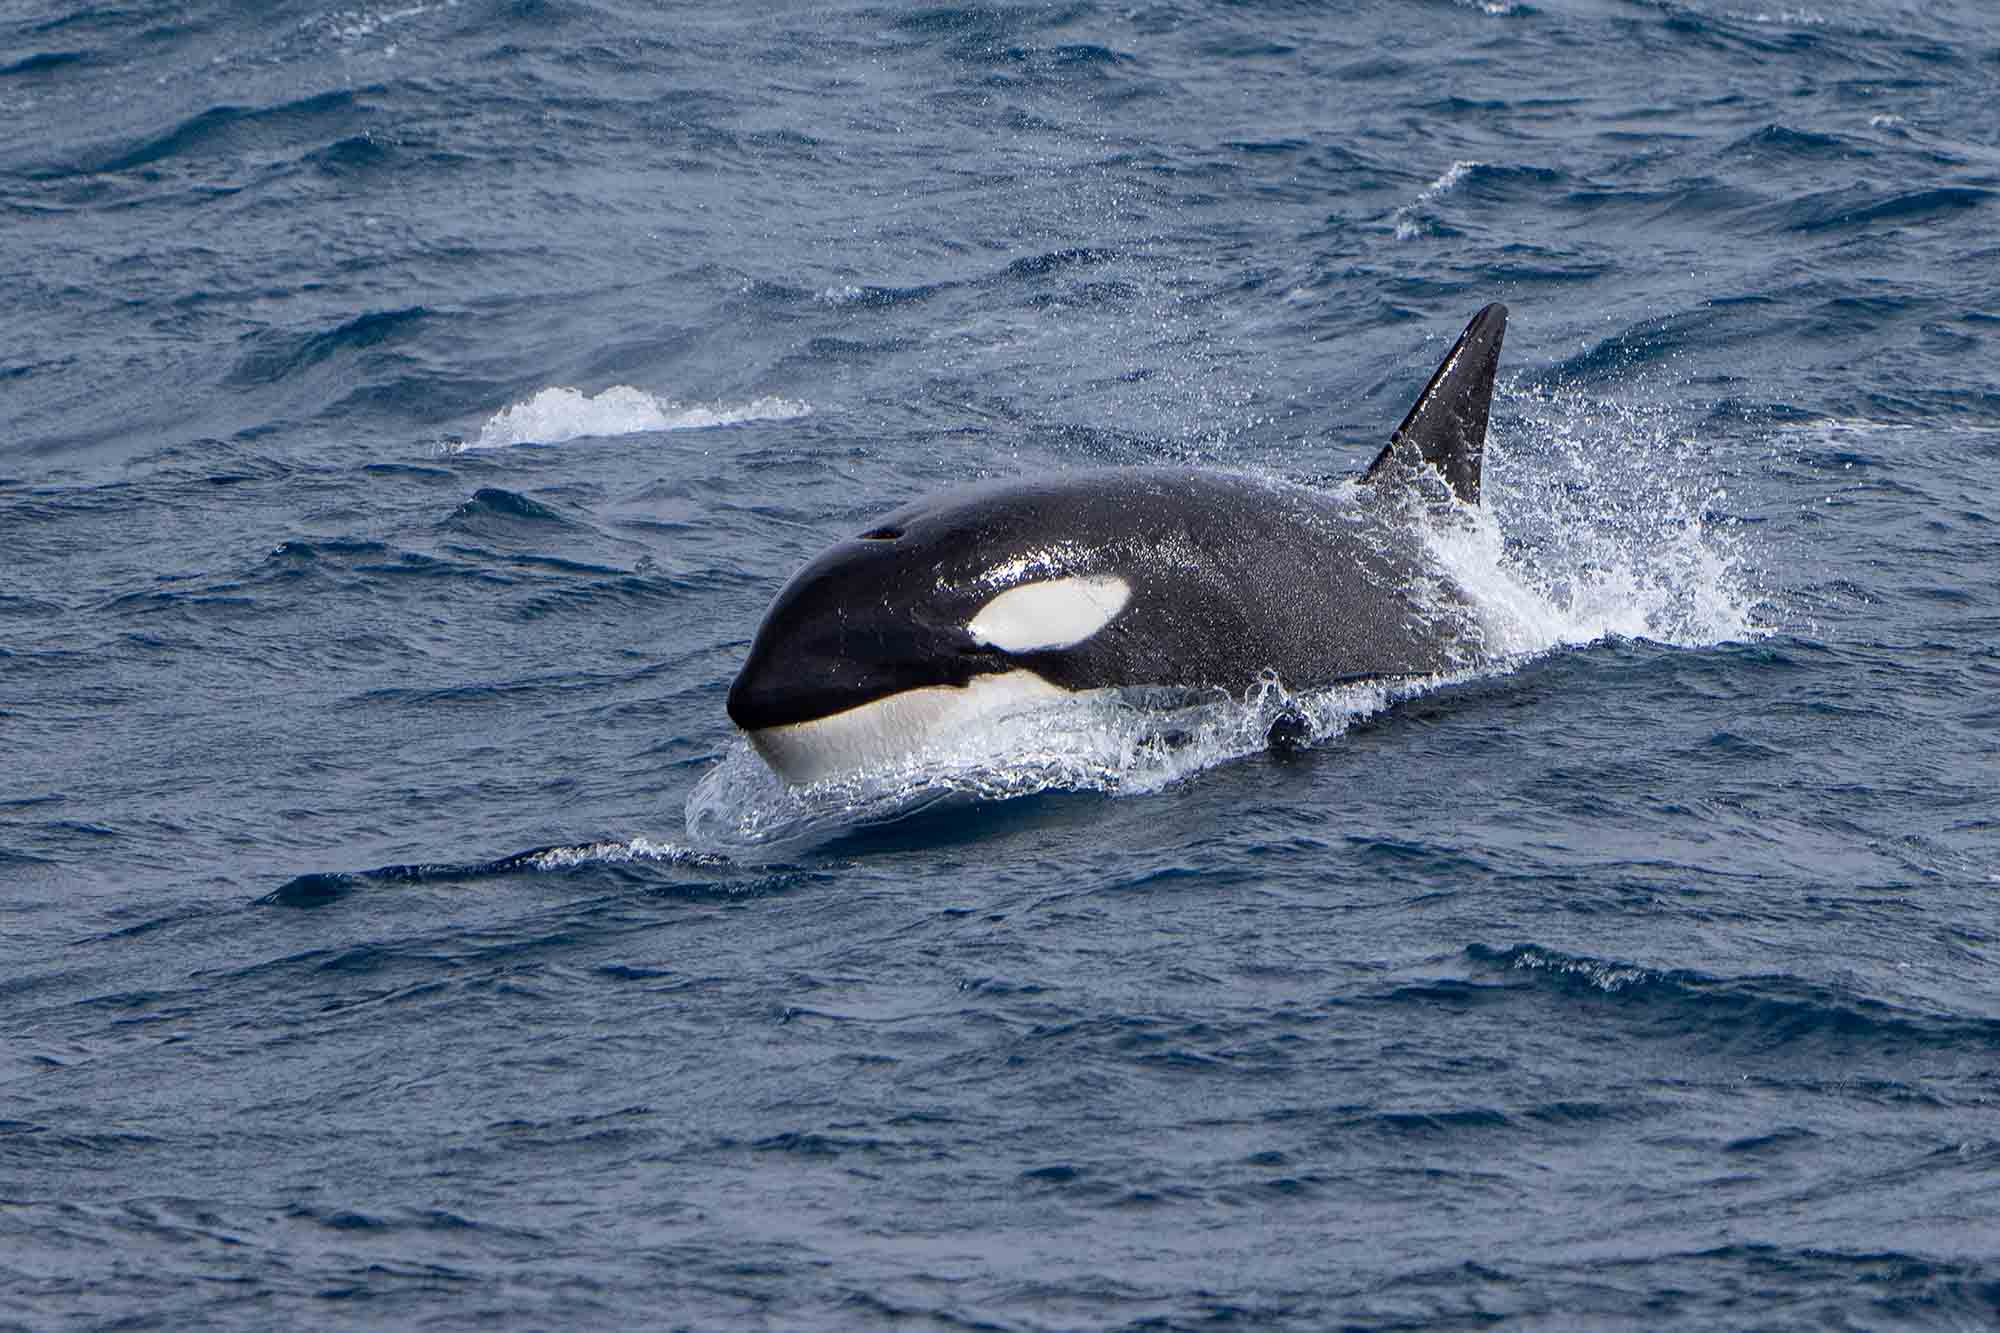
(1406, 218)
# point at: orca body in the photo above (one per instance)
(993, 597)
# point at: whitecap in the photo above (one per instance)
(1405, 218)
(560, 413)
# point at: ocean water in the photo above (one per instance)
(407, 411)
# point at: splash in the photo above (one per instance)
(619, 853)
(1601, 521)
(558, 414)
(1116, 742)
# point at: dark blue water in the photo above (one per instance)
(407, 411)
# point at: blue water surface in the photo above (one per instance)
(408, 410)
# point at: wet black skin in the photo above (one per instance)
(1232, 577)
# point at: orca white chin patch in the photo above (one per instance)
(897, 727)
(1052, 613)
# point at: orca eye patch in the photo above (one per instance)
(1054, 613)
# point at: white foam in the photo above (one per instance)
(1119, 742)
(1608, 977)
(1405, 218)
(617, 853)
(558, 414)
(1805, 18)
(351, 25)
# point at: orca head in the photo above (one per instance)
(938, 615)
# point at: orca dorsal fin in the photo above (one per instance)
(1447, 427)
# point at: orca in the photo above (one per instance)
(994, 597)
